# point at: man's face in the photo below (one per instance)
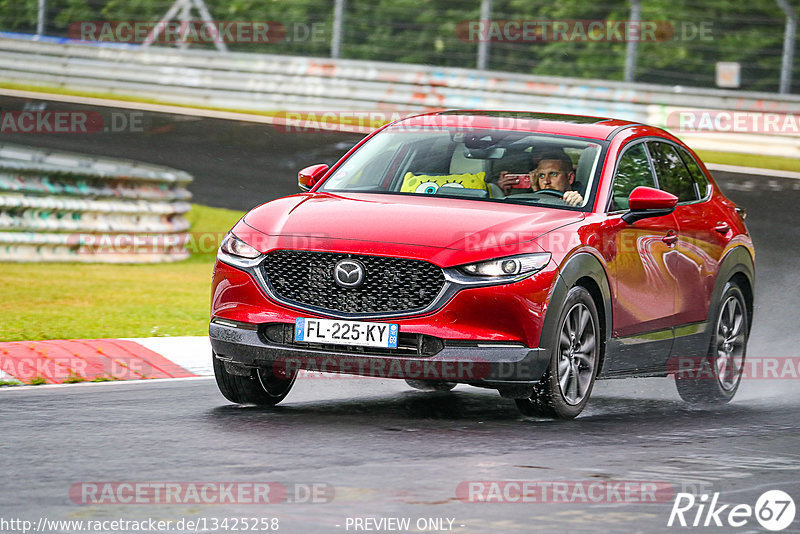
(550, 175)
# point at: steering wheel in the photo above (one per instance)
(552, 192)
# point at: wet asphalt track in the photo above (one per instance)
(389, 451)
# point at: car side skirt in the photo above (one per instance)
(655, 353)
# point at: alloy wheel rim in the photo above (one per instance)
(730, 343)
(576, 354)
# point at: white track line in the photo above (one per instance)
(193, 353)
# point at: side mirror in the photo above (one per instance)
(308, 177)
(646, 202)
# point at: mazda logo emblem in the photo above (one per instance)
(349, 273)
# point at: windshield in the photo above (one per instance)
(489, 165)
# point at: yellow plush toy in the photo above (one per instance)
(425, 184)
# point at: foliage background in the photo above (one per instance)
(424, 32)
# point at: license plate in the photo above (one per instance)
(339, 332)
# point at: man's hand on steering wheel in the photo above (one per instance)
(573, 198)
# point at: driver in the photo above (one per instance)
(554, 171)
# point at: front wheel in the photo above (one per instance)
(715, 378)
(262, 386)
(574, 356)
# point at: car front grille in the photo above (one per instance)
(391, 285)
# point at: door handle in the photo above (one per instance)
(722, 227)
(671, 238)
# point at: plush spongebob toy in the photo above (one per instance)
(429, 185)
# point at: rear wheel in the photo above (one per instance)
(262, 386)
(715, 378)
(431, 385)
(575, 353)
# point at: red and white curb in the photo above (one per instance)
(97, 360)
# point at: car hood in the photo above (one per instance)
(424, 221)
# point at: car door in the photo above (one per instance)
(701, 236)
(644, 291)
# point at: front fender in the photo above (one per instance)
(738, 260)
(581, 265)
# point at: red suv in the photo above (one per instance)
(525, 252)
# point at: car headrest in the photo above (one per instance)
(460, 163)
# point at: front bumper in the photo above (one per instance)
(488, 364)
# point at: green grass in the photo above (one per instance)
(80, 301)
(750, 160)
(74, 379)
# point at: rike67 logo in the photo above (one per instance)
(774, 510)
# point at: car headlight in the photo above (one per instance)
(234, 246)
(511, 266)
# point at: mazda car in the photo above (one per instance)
(529, 253)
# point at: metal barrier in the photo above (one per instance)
(260, 82)
(58, 206)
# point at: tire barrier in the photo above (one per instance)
(59, 206)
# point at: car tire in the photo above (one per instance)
(261, 387)
(716, 377)
(430, 385)
(567, 384)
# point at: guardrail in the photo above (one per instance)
(260, 82)
(59, 206)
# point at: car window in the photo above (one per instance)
(467, 163)
(633, 171)
(703, 185)
(673, 176)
